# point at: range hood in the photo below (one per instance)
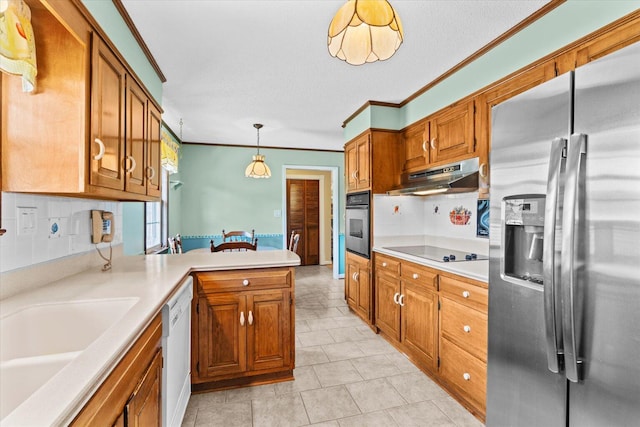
(459, 177)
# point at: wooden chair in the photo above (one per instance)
(293, 241)
(234, 246)
(238, 236)
(175, 244)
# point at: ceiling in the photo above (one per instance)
(230, 64)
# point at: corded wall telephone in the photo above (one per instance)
(102, 225)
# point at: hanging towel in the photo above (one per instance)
(17, 45)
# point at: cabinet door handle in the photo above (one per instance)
(415, 275)
(466, 328)
(245, 282)
(242, 318)
(152, 174)
(483, 170)
(465, 294)
(384, 264)
(424, 146)
(356, 275)
(100, 154)
(133, 164)
(401, 300)
(466, 376)
(433, 143)
(250, 318)
(355, 174)
(395, 297)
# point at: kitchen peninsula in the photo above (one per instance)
(140, 284)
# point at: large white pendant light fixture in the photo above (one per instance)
(365, 31)
(258, 168)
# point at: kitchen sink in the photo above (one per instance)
(63, 327)
(39, 340)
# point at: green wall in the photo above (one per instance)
(215, 193)
(133, 228)
(118, 32)
(565, 24)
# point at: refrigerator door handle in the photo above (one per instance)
(553, 327)
(570, 262)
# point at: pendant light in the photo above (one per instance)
(258, 168)
(365, 31)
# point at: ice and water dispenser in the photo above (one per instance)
(523, 234)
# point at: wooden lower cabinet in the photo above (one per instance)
(358, 286)
(243, 327)
(407, 308)
(440, 321)
(130, 396)
(463, 339)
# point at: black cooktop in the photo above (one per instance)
(436, 253)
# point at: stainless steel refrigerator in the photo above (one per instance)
(564, 271)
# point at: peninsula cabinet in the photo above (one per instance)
(372, 161)
(130, 396)
(358, 286)
(407, 308)
(90, 129)
(242, 327)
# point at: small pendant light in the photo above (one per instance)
(258, 168)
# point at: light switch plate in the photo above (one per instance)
(27, 221)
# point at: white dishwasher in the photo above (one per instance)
(176, 352)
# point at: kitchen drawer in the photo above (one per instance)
(245, 280)
(466, 373)
(464, 326)
(387, 265)
(465, 293)
(419, 274)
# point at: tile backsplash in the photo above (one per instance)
(452, 215)
(44, 241)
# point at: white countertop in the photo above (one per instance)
(152, 279)
(478, 270)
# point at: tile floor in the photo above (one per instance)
(345, 375)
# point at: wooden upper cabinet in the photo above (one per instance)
(452, 133)
(153, 170)
(136, 139)
(107, 118)
(70, 136)
(357, 160)
(373, 161)
(416, 146)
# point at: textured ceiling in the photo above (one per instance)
(230, 64)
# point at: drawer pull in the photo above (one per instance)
(466, 376)
(415, 275)
(395, 297)
(384, 264)
(466, 294)
(466, 328)
(245, 282)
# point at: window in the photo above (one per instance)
(157, 219)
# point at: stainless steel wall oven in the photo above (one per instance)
(357, 223)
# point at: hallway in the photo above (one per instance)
(345, 375)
